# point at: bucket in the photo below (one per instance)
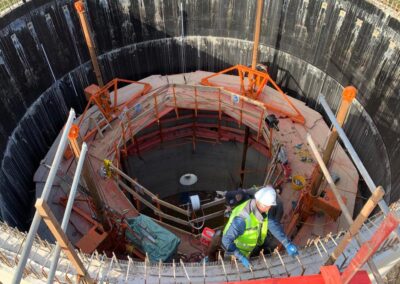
(298, 182)
(195, 201)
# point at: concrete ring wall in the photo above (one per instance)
(311, 46)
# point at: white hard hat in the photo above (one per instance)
(266, 196)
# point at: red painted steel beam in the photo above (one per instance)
(361, 277)
(150, 140)
(390, 223)
(331, 274)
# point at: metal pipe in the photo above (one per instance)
(45, 194)
(257, 29)
(356, 159)
(68, 210)
(80, 8)
(244, 154)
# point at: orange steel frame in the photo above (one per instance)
(256, 84)
(102, 99)
(127, 133)
(201, 97)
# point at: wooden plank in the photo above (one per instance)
(173, 207)
(209, 216)
(151, 206)
(137, 196)
(150, 194)
(213, 203)
(174, 219)
(62, 239)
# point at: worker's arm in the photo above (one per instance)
(276, 230)
(236, 229)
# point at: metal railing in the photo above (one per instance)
(353, 154)
(45, 194)
(7, 6)
(67, 212)
(394, 4)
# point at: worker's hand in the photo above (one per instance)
(292, 249)
(245, 262)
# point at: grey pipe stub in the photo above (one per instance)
(188, 179)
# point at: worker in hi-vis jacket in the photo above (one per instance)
(248, 225)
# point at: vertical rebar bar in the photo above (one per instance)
(223, 265)
(282, 262)
(127, 270)
(184, 269)
(237, 267)
(265, 262)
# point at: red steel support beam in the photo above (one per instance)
(361, 277)
(370, 247)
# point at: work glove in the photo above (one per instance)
(245, 262)
(292, 249)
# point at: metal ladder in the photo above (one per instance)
(101, 123)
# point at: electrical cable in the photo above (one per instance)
(202, 224)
